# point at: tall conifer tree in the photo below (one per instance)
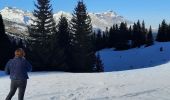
(123, 37)
(143, 34)
(81, 29)
(149, 39)
(63, 38)
(162, 35)
(168, 32)
(6, 48)
(43, 51)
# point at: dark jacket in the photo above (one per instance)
(18, 68)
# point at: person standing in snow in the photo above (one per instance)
(18, 69)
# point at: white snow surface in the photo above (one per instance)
(150, 83)
(142, 84)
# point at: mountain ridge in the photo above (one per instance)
(99, 20)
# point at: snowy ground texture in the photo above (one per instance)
(152, 83)
(142, 84)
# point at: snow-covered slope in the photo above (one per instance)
(142, 84)
(135, 58)
(99, 20)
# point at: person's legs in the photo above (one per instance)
(22, 86)
(13, 89)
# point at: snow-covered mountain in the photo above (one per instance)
(16, 15)
(99, 20)
(20, 19)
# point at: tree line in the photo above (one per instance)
(122, 37)
(72, 46)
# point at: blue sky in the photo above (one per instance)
(152, 11)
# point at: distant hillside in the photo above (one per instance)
(136, 58)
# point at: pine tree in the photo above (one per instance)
(83, 50)
(94, 39)
(64, 38)
(168, 32)
(63, 32)
(162, 35)
(122, 42)
(44, 24)
(143, 33)
(149, 40)
(112, 37)
(139, 34)
(6, 50)
(99, 40)
(99, 65)
(105, 39)
(134, 36)
(138, 37)
(43, 52)
(164, 30)
(158, 37)
(2, 27)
